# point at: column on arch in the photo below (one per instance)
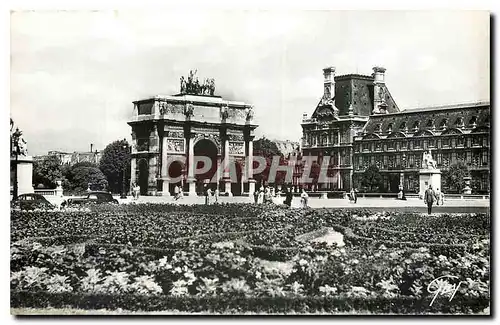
(164, 167)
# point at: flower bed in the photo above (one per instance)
(182, 259)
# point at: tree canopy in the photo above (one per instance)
(453, 178)
(371, 179)
(47, 171)
(78, 179)
(115, 160)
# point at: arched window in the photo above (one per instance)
(443, 124)
(403, 127)
(389, 128)
(378, 128)
(430, 123)
(473, 121)
(459, 122)
(416, 126)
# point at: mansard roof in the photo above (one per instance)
(438, 120)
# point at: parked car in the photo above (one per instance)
(31, 201)
(97, 197)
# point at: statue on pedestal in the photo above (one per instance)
(428, 162)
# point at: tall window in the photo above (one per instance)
(485, 158)
(460, 141)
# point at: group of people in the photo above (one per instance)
(266, 194)
(353, 195)
(209, 195)
(431, 196)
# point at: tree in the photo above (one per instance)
(371, 178)
(266, 148)
(115, 160)
(454, 177)
(47, 171)
(78, 178)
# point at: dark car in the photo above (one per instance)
(91, 198)
(31, 201)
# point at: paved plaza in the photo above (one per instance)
(452, 205)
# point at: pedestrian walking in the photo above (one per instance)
(429, 198)
(216, 194)
(355, 195)
(304, 197)
(288, 196)
(352, 195)
(438, 195)
(267, 196)
(441, 197)
(137, 191)
(208, 193)
(261, 195)
(176, 192)
(256, 196)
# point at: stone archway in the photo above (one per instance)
(143, 176)
(176, 170)
(206, 148)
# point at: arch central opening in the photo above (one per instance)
(205, 148)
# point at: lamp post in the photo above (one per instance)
(15, 146)
(124, 194)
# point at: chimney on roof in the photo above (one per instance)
(328, 83)
(379, 91)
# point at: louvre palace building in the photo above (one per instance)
(357, 123)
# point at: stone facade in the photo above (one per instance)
(168, 132)
(455, 133)
(359, 124)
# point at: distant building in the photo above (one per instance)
(71, 158)
(287, 147)
(357, 123)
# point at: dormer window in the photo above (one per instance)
(443, 124)
(459, 122)
(416, 126)
(430, 124)
(389, 128)
(403, 127)
(378, 128)
(473, 121)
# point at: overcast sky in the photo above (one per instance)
(74, 75)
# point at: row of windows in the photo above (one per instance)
(455, 142)
(443, 124)
(443, 159)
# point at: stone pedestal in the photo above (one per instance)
(251, 187)
(227, 187)
(429, 177)
(467, 189)
(192, 186)
(59, 189)
(165, 187)
(24, 174)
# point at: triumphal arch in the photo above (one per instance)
(192, 140)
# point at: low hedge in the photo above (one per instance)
(272, 305)
(439, 249)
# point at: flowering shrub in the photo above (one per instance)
(215, 252)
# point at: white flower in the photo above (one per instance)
(326, 290)
(179, 288)
(302, 262)
(258, 275)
